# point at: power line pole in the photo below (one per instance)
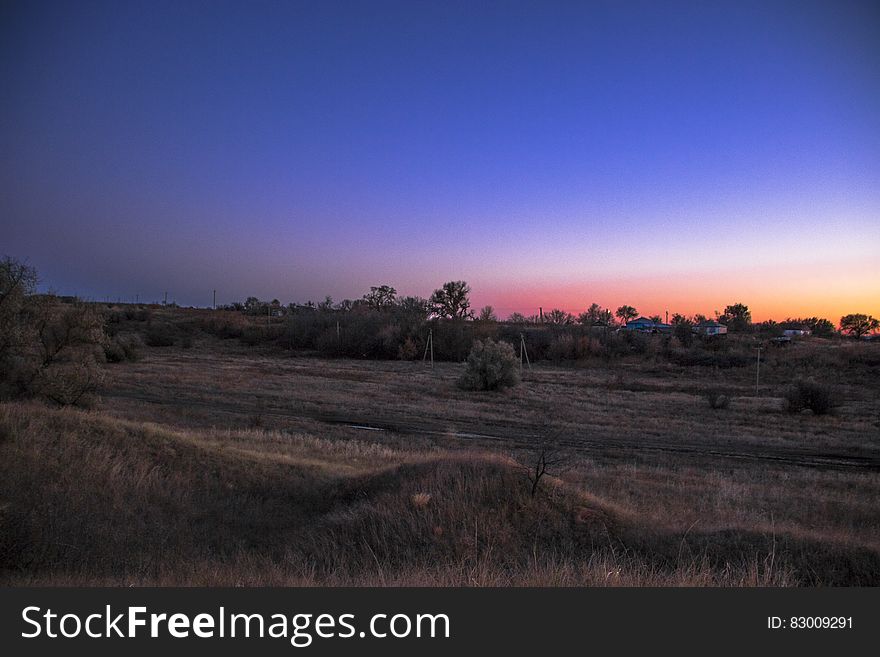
(523, 352)
(758, 370)
(429, 345)
(214, 305)
(165, 301)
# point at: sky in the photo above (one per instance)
(674, 156)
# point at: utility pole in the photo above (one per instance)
(165, 301)
(523, 352)
(667, 316)
(429, 345)
(541, 313)
(214, 305)
(758, 370)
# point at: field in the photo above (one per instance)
(221, 463)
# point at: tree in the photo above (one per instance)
(858, 324)
(737, 317)
(517, 318)
(595, 315)
(626, 313)
(47, 349)
(656, 319)
(381, 297)
(253, 306)
(487, 314)
(415, 307)
(546, 458)
(683, 330)
(821, 327)
(452, 301)
(560, 317)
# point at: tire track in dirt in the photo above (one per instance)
(493, 435)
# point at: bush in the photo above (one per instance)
(716, 399)
(159, 336)
(121, 349)
(817, 397)
(490, 366)
(562, 347)
(408, 350)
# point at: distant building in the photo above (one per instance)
(796, 332)
(642, 324)
(648, 325)
(710, 327)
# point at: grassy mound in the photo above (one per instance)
(89, 499)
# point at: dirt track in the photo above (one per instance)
(456, 435)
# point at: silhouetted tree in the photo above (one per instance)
(737, 317)
(381, 297)
(452, 301)
(857, 324)
(595, 315)
(626, 313)
(487, 314)
(560, 317)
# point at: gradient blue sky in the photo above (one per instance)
(676, 156)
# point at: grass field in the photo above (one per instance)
(224, 464)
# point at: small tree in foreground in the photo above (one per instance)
(547, 458)
(490, 366)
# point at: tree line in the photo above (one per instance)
(452, 302)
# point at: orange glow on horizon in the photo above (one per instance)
(776, 293)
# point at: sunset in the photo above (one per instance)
(318, 315)
(550, 158)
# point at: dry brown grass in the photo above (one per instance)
(88, 498)
(227, 464)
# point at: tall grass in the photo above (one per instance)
(87, 499)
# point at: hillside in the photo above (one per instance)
(89, 499)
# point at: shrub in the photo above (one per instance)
(817, 397)
(716, 399)
(562, 347)
(121, 349)
(408, 350)
(490, 366)
(159, 336)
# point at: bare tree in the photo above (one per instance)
(487, 314)
(557, 316)
(452, 300)
(46, 348)
(546, 458)
(381, 297)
